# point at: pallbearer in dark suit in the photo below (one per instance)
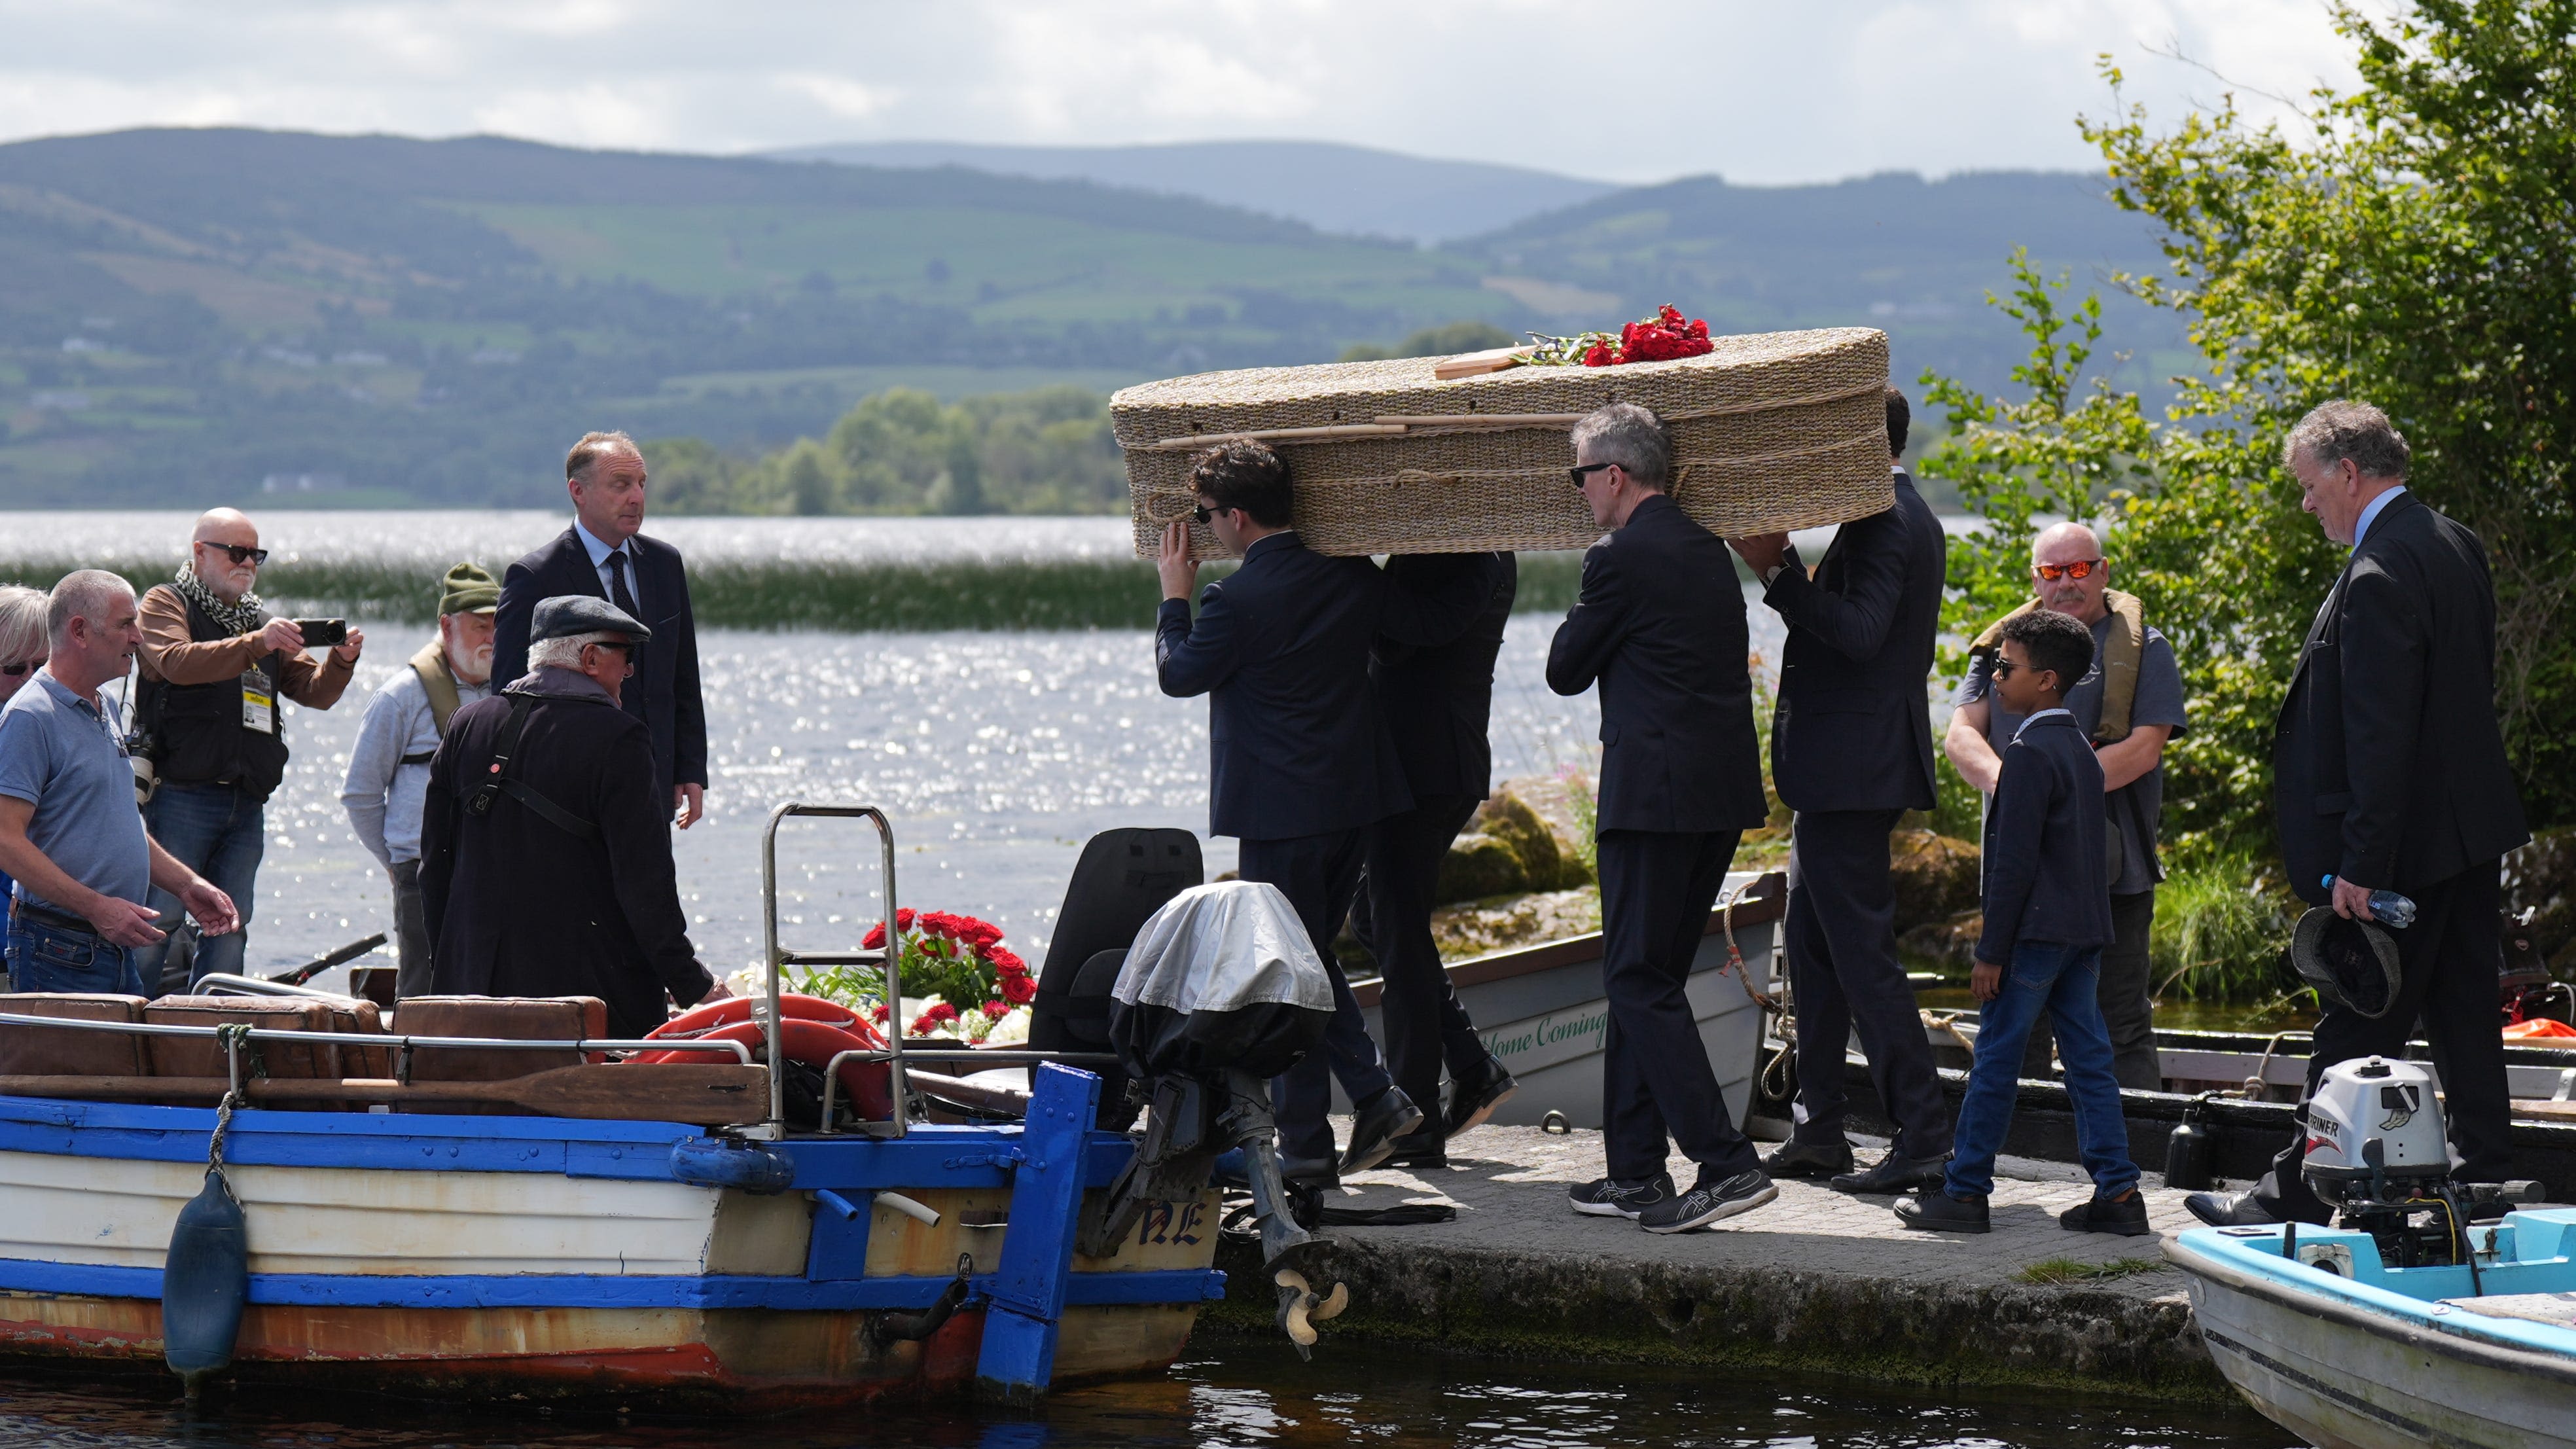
(603, 555)
(1301, 763)
(1438, 699)
(1660, 627)
(1851, 750)
(2389, 773)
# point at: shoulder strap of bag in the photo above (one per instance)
(2122, 650)
(505, 781)
(431, 665)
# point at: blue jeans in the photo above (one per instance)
(2062, 980)
(220, 834)
(49, 958)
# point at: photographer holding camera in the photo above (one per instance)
(214, 670)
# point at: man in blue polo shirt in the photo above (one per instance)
(69, 830)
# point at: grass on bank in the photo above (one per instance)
(2061, 1272)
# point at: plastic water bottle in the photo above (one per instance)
(2388, 908)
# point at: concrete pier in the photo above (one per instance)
(1815, 1281)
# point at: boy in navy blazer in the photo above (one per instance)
(2048, 916)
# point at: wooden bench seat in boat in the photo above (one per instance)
(512, 1018)
(42, 1051)
(203, 1057)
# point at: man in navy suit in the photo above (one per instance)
(604, 556)
(1851, 750)
(2389, 772)
(1659, 625)
(1302, 764)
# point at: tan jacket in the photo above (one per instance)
(171, 656)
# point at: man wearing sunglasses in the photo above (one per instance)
(215, 673)
(2130, 705)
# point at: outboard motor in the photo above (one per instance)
(1221, 992)
(2377, 1153)
(1123, 878)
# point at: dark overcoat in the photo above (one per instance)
(1853, 726)
(519, 906)
(2389, 768)
(1660, 624)
(664, 690)
(1439, 697)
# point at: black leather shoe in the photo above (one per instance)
(1471, 1102)
(1935, 1211)
(2126, 1216)
(2228, 1209)
(1809, 1159)
(1309, 1171)
(1895, 1173)
(1421, 1147)
(1380, 1123)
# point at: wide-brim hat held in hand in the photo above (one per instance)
(568, 615)
(2351, 963)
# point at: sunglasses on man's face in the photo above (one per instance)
(1203, 513)
(1580, 469)
(239, 554)
(2082, 568)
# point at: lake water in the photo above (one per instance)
(1226, 1391)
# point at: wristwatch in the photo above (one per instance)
(1788, 557)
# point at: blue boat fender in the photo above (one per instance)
(754, 1167)
(204, 1283)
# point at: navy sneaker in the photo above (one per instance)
(1708, 1201)
(1608, 1197)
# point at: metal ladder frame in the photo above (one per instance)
(889, 957)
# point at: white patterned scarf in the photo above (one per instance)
(243, 616)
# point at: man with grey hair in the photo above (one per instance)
(1659, 627)
(606, 555)
(2389, 773)
(2129, 704)
(545, 849)
(69, 832)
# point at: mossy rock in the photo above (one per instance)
(1480, 865)
(1935, 877)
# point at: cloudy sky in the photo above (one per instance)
(1628, 90)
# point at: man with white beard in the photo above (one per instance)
(389, 768)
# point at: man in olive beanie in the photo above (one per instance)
(389, 768)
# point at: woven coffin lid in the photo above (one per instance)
(1771, 431)
(197, 1056)
(45, 1051)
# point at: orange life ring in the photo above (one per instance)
(814, 1031)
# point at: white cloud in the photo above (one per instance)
(1624, 89)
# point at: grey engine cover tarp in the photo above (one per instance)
(1221, 977)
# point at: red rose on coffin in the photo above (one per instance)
(1006, 961)
(996, 1010)
(979, 934)
(1019, 990)
(874, 938)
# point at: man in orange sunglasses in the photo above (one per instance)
(2130, 704)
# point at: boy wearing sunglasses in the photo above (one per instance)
(2048, 916)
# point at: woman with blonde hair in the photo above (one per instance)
(23, 647)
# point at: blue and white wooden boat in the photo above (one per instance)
(624, 1263)
(2341, 1349)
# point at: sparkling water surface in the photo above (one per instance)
(1226, 1391)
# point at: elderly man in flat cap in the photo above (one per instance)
(545, 856)
(389, 767)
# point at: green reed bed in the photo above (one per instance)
(894, 595)
(2220, 929)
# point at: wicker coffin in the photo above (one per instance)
(1771, 431)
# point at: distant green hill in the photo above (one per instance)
(193, 316)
